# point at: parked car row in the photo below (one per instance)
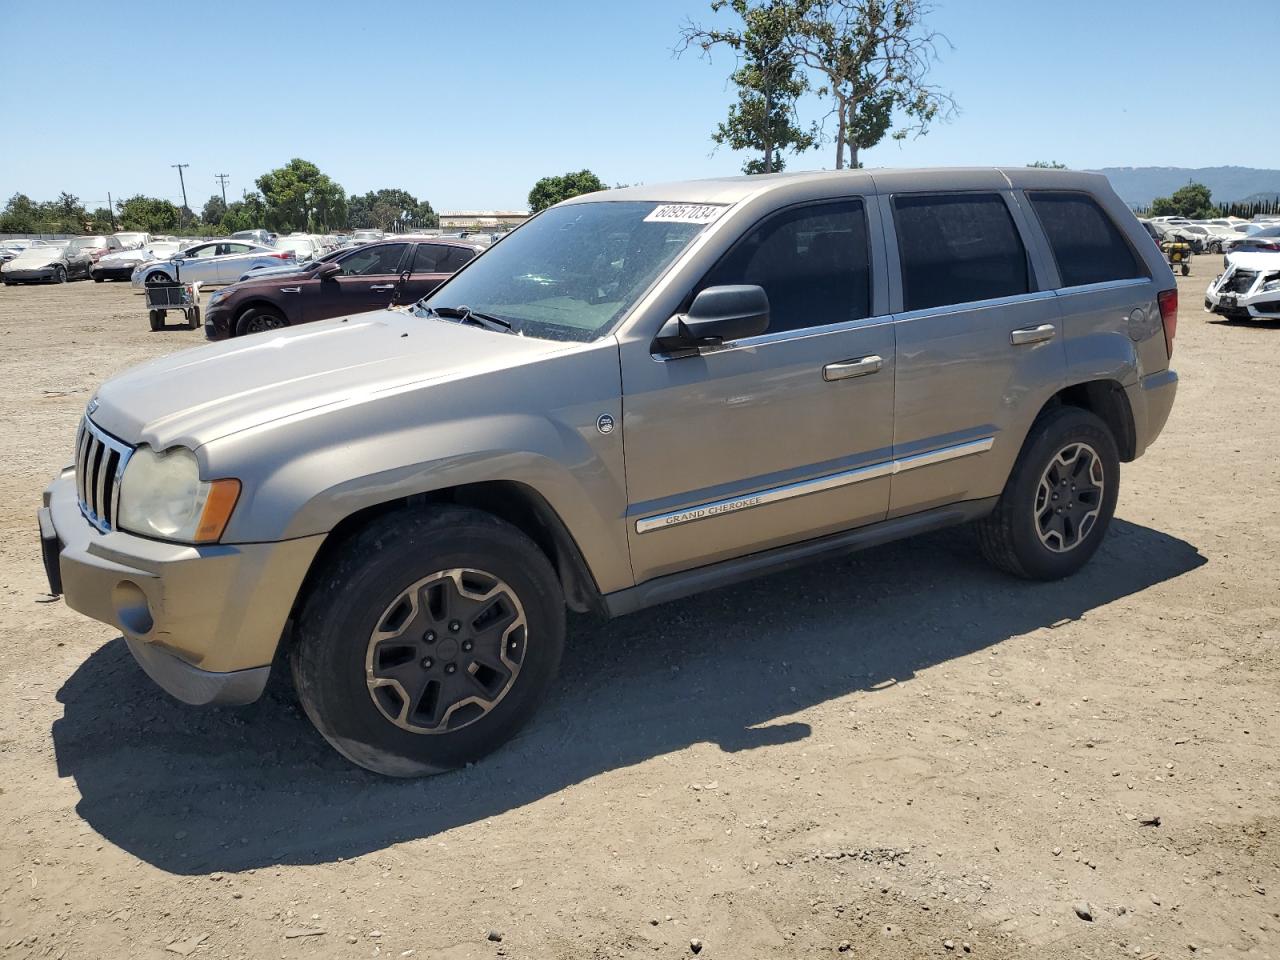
(1221, 235)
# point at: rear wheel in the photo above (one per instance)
(428, 640)
(1059, 499)
(260, 320)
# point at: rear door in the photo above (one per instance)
(233, 260)
(979, 344)
(1110, 314)
(369, 280)
(433, 264)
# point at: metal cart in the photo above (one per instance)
(173, 295)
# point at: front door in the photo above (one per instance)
(980, 348)
(776, 438)
(369, 281)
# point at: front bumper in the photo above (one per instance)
(28, 276)
(217, 321)
(202, 621)
(110, 272)
(1261, 305)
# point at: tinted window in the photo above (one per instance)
(812, 262)
(366, 261)
(238, 248)
(456, 259)
(958, 248)
(1087, 245)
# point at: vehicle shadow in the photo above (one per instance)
(194, 790)
(1251, 323)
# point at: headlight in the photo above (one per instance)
(1271, 286)
(162, 496)
(218, 295)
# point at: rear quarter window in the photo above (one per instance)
(1086, 243)
(958, 248)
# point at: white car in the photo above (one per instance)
(120, 265)
(1249, 289)
(304, 246)
(214, 263)
(132, 239)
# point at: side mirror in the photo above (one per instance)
(327, 270)
(717, 315)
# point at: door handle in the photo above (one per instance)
(1045, 331)
(290, 289)
(852, 368)
(383, 286)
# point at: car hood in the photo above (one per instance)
(197, 396)
(1255, 260)
(34, 261)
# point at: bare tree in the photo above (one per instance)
(875, 57)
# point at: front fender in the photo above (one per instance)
(534, 425)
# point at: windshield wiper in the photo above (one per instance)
(464, 314)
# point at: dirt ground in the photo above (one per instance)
(905, 751)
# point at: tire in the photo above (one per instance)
(158, 277)
(375, 721)
(60, 275)
(260, 320)
(193, 318)
(157, 320)
(1186, 269)
(1026, 535)
(96, 279)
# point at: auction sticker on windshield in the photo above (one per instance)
(685, 213)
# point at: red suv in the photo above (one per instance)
(364, 278)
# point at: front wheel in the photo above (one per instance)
(1059, 499)
(260, 320)
(158, 277)
(60, 275)
(427, 640)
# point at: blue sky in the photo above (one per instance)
(372, 93)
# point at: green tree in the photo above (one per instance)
(381, 209)
(1047, 165)
(1194, 201)
(549, 191)
(247, 213)
(299, 197)
(768, 79)
(100, 221)
(148, 214)
(19, 215)
(874, 58)
(214, 210)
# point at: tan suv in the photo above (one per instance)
(637, 395)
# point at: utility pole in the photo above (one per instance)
(112, 208)
(222, 178)
(180, 166)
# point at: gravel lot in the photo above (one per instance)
(904, 751)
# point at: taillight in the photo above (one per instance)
(283, 255)
(1168, 300)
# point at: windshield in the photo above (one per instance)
(37, 253)
(87, 243)
(569, 273)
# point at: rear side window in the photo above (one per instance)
(958, 248)
(812, 261)
(1087, 245)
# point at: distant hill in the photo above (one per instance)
(1141, 185)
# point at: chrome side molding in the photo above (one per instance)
(803, 488)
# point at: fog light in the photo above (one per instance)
(132, 610)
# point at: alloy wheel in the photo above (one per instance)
(1069, 497)
(262, 322)
(446, 651)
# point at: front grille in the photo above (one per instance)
(100, 463)
(1239, 282)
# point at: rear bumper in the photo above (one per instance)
(111, 273)
(202, 621)
(1151, 400)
